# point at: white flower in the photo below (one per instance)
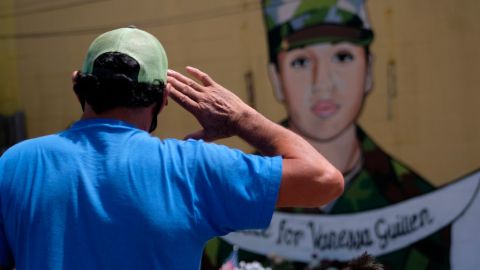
(252, 266)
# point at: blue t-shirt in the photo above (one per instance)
(106, 195)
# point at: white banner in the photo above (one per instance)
(303, 237)
(465, 245)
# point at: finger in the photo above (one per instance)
(201, 76)
(183, 88)
(184, 79)
(183, 100)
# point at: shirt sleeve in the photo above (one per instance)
(234, 191)
(6, 257)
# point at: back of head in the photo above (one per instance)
(125, 67)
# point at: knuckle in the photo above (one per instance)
(206, 78)
(183, 99)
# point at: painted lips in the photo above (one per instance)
(324, 108)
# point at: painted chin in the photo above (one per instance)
(324, 109)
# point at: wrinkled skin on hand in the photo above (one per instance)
(217, 109)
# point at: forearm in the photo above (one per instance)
(308, 179)
(270, 138)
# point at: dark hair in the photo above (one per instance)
(113, 83)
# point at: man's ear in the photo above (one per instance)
(164, 99)
(80, 98)
(74, 76)
(369, 74)
(276, 83)
(74, 81)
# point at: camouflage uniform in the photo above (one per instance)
(381, 181)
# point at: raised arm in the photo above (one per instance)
(308, 179)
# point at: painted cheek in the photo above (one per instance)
(307, 96)
(295, 97)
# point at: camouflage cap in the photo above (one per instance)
(296, 23)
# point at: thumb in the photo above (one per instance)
(197, 135)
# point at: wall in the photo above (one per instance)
(435, 123)
(9, 101)
(431, 123)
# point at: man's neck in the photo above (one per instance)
(139, 117)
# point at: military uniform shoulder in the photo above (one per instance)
(384, 168)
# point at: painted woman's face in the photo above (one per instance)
(324, 87)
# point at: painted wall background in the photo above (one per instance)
(12, 118)
(423, 109)
(9, 100)
(433, 124)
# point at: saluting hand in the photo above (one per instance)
(217, 109)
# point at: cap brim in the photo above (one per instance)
(328, 33)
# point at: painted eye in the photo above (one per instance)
(343, 57)
(300, 62)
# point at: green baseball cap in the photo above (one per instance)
(136, 43)
(292, 24)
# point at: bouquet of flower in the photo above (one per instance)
(364, 262)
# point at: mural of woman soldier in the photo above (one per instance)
(321, 69)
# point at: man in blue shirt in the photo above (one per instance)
(105, 194)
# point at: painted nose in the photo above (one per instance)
(323, 80)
